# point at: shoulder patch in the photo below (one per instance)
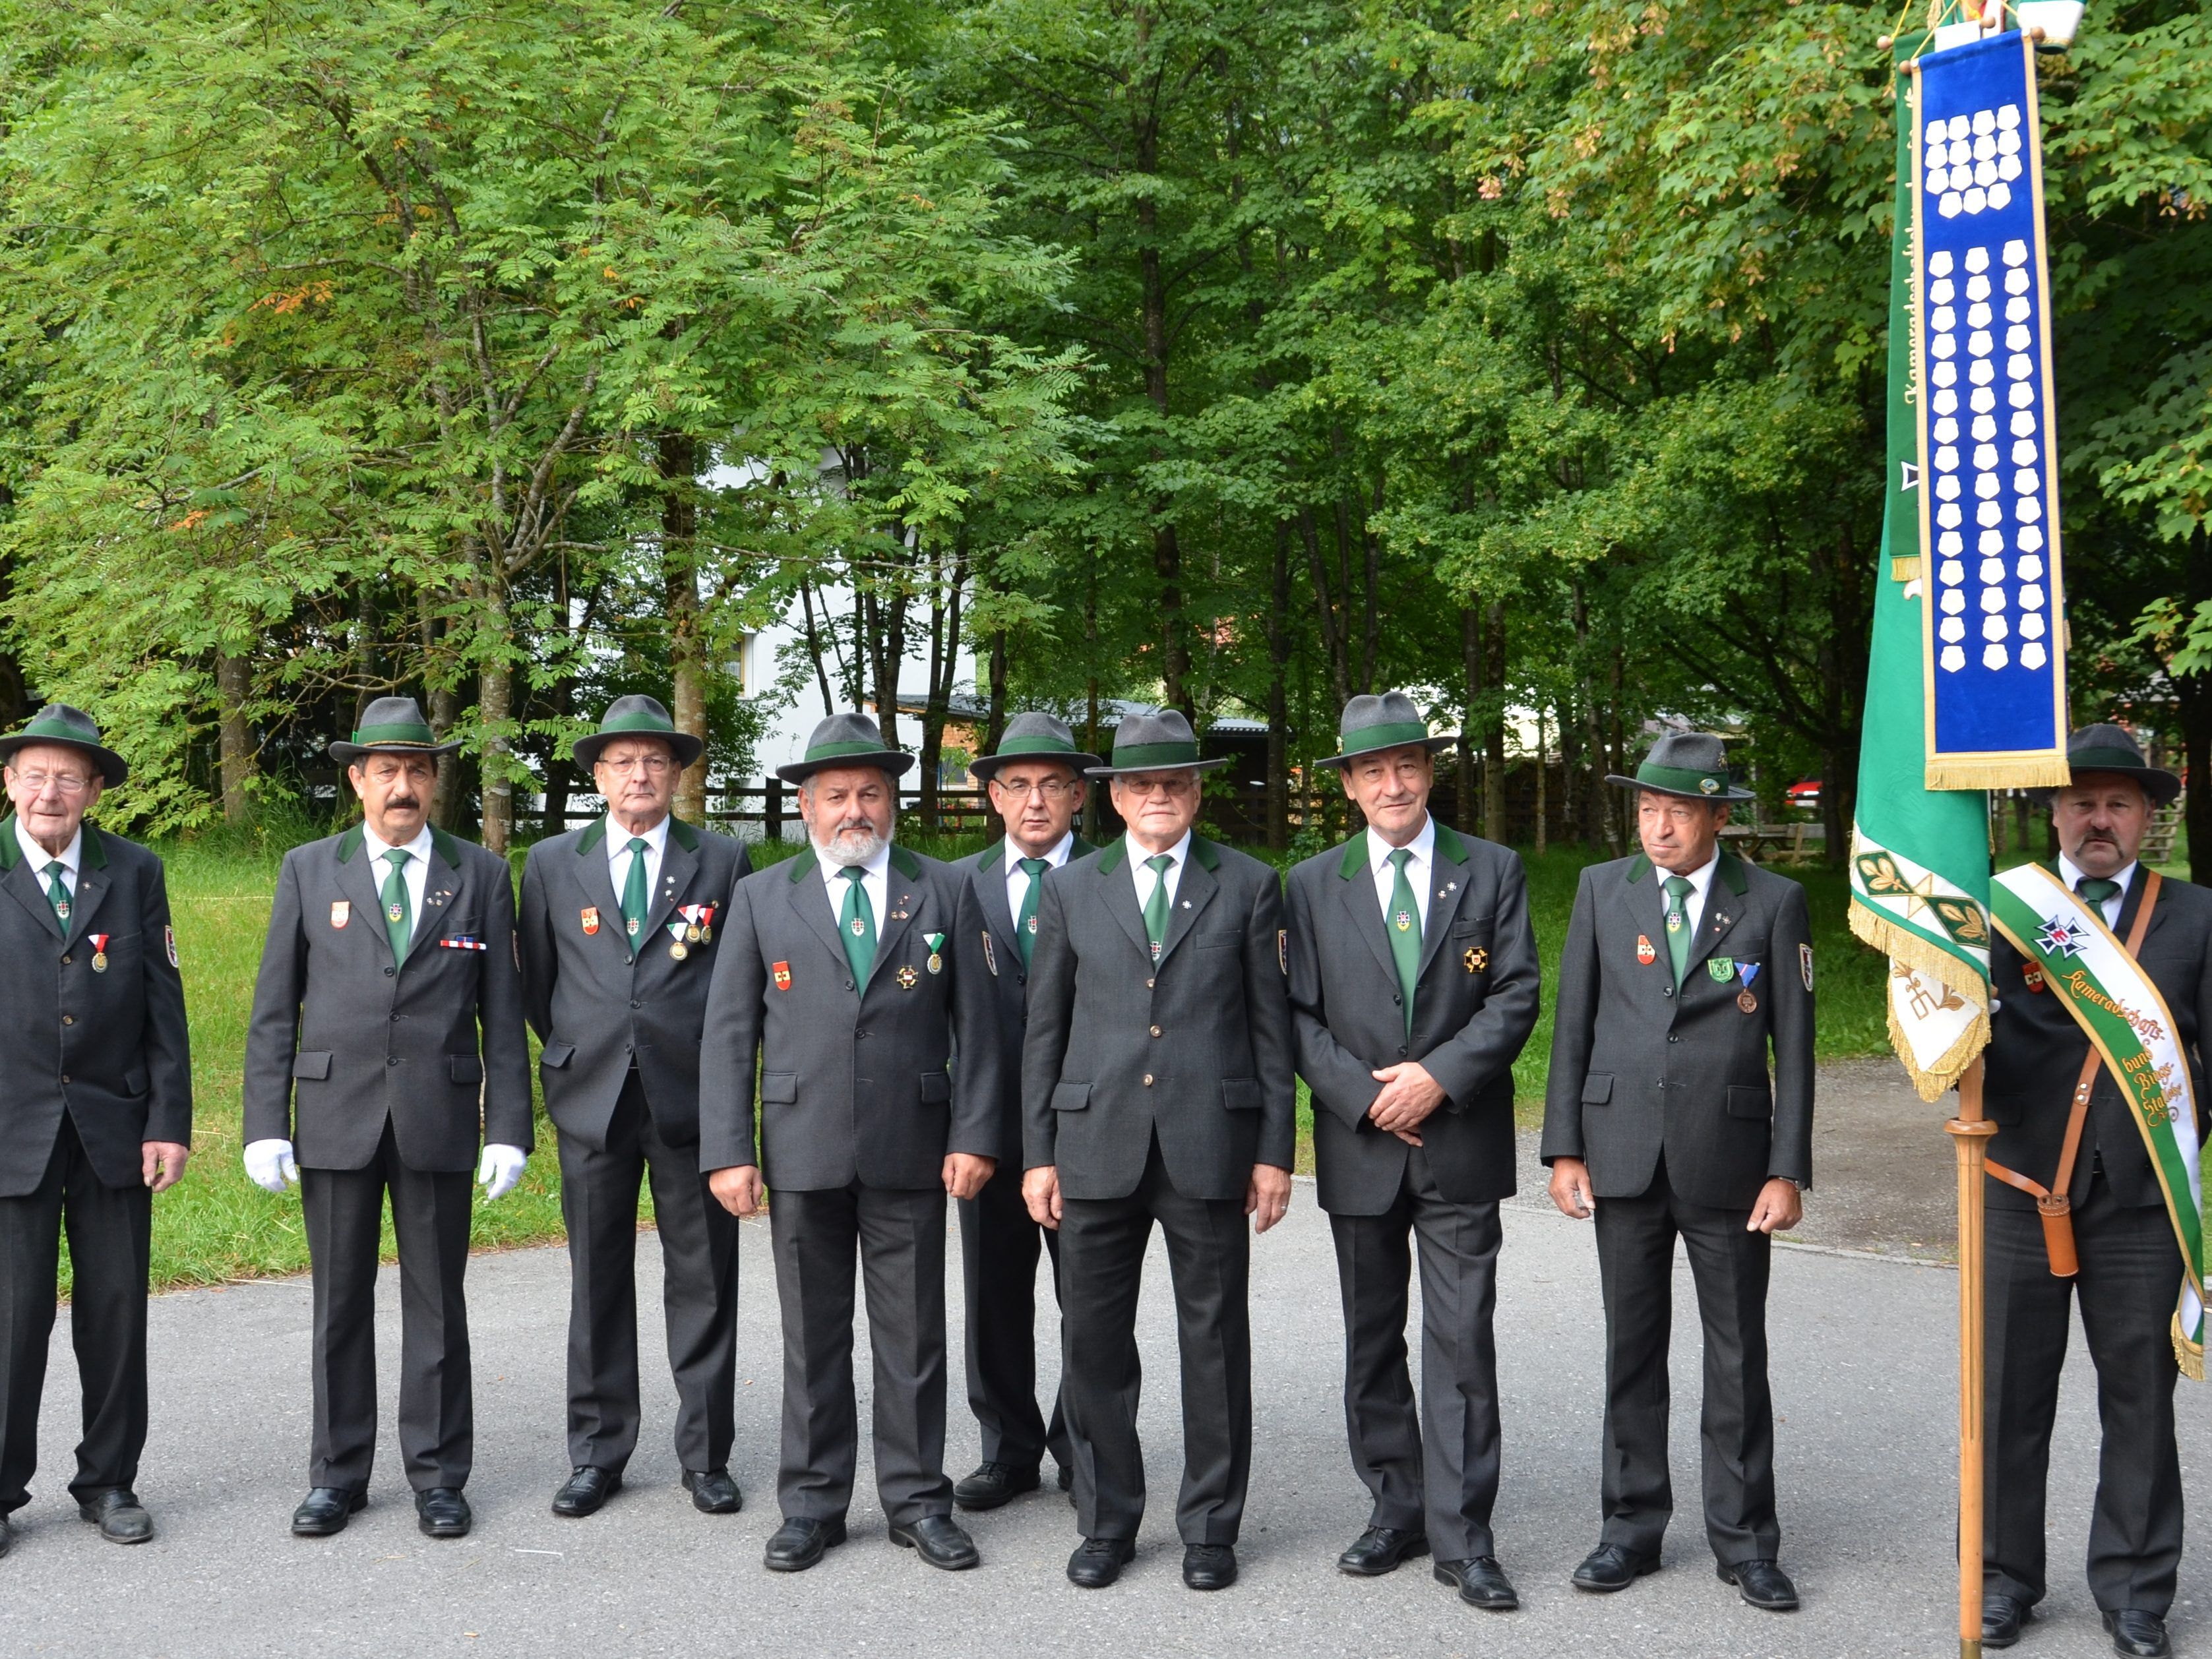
(169, 938)
(1805, 963)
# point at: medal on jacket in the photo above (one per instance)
(1645, 953)
(781, 972)
(2032, 976)
(1477, 960)
(907, 978)
(1722, 968)
(591, 918)
(99, 953)
(936, 943)
(1744, 999)
(341, 913)
(677, 949)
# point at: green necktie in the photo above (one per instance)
(1404, 929)
(1156, 907)
(856, 926)
(1678, 926)
(2096, 890)
(398, 918)
(1025, 923)
(57, 893)
(634, 893)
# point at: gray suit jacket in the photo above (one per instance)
(855, 1084)
(1007, 985)
(599, 1005)
(1475, 1003)
(108, 1048)
(1197, 1050)
(1639, 1069)
(340, 1043)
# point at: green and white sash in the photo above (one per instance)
(2119, 1008)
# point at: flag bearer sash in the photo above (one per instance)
(2126, 1020)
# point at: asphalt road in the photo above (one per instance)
(1864, 1372)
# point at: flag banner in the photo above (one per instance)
(2119, 1009)
(1920, 856)
(1992, 651)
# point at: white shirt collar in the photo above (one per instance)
(875, 866)
(378, 846)
(2071, 873)
(618, 839)
(71, 856)
(1180, 852)
(1700, 878)
(1423, 847)
(1058, 856)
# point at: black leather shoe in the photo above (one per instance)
(798, 1543)
(713, 1492)
(1098, 1562)
(1066, 1479)
(1209, 1566)
(994, 1483)
(1612, 1567)
(1762, 1583)
(1380, 1550)
(585, 1490)
(442, 1512)
(938, 1540)
(2140, 1634)
(325, 1511)
(1483, 1584)
(2001, 1617)
(121, 1518)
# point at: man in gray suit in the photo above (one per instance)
(96, 1092)
(1413, 982)
(1683, 966)
(386, 1039)
(845, 975)
(1158, 1087)
(617, 938)
(1036, 787)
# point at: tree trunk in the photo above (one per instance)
(995, 726)
(495, 712)
(944, 591)
(1470, 656)
(1278, 693)
(1493, 765)
(233, 685)
(1333, 626)
(1592, 781)
(445, 715)
(679, 582)
(1542, 785)
(1167, 551)
(2193, 695)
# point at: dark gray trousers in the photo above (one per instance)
(344, 1212)
(2130, 1276)
(110, 1234)
(1437, 1470)
(1636, 1265)
(699, 1291)
(998, 1247)
(1101, 1258)
(900, 1236)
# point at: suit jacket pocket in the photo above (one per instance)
(134, 1081)
(1473, 925)
(1597, 1088)
(1749, 1102)
(1220, 938)
(311, 1063)
(556, 1055)
(778, 1088)
(936, 1088)
(1241, 1094)
(1070, 1096)
(465, 1068)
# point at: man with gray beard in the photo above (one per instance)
(845, 975)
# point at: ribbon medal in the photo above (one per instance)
(677, 949)
(463, 942)
(1722, 968)
(1645, 953)
(781, 971)
(1744, 999)
(591, 918)
(341, 913)
(936, 943)
(99, 953)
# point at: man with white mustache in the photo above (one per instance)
(846, 976)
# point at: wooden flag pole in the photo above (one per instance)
(1970, 1133)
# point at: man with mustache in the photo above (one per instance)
(1036, 784)
(386, 1041)
(97, 1095)
(620, 921)
(845, 976)
(2062, 1121)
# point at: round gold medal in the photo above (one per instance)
(1748, 1003)
(100, 961)
(678, 951)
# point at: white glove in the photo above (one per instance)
(500, 1169)
(268, 1164)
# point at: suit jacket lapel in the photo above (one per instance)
(1356, 887)
(598, 881)
(1448, 873)
(678, 863)
(22, 881)
(1723, 909)
(1194, 890)
(443, 887)
(809, 901)
(989, 877)
(1117, 888)
(361, 878)
(902, 897)
(91, 885)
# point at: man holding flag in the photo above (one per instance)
(2103, 981)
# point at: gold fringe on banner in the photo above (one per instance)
(2046, 770)
(2187, 1354)
(1902, 945)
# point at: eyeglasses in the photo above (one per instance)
(1050, 788)
(653, 765)
(1145, 788)
(69, 783)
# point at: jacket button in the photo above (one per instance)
(395, 1017)
(69, 1020)
(1155, 1031)
(389, 972)
(848, 984)
(1148, 1080)
(1666, 990)
(1148, 985)
(1401, 1053)
(634, 1003)
(860, 1036)
(1395, 997)
(65, 1077)
(391, 1059)
(1674, 1037)
(67, 960)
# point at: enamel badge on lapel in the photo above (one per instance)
(1645, 953)
(1477, 960)
(341, 913)
(1722, 968)
(936, 943)
(907, 978)
(99, 952)
(990, 956)
(591, 918)
(781, 973)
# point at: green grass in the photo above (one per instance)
(217, 1225)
